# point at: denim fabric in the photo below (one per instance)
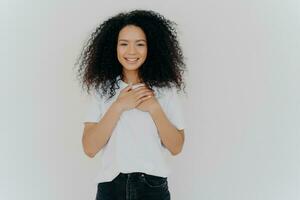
(134, 186)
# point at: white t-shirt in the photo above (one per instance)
(135, 145)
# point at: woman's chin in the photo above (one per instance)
(131, 67)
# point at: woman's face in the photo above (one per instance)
(131, 47)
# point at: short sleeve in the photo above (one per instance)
(94, 109)
(175, 109)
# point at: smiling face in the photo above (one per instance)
(131, 48)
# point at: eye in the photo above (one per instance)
(123, 44)
(141, 45)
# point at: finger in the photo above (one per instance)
(138, 102)
(138, 88)
(145, 98)
(129, 87)
(138, 85)
(142, 91)
(138, 96)
(141, 100)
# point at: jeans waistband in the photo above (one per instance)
(132, 174)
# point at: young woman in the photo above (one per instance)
(134, 64)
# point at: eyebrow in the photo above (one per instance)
(136, 40)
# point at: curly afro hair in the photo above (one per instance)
(164, 66)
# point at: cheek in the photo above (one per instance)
(120, 52)
(144, 52)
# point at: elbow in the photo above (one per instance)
(87, 151)
(178, 148)
(89, 154)
(176, 152)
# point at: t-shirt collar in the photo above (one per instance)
(121, 83)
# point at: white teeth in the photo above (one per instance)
(131, 59)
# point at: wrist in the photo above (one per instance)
(117, 106)
(154, 109)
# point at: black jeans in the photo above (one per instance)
(134, 186)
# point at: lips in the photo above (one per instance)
(131, 60)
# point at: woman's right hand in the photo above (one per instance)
(129, 98)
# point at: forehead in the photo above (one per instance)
(131, 32)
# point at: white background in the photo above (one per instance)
(242, 109)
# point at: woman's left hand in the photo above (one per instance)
(149, 104)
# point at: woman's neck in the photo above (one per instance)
(131, 78)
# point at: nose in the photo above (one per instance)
(131, 49)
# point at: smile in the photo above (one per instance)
(131, 60)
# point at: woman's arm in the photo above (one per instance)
(171, 137)
(96, 135)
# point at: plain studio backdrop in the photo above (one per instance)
(242, 109)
